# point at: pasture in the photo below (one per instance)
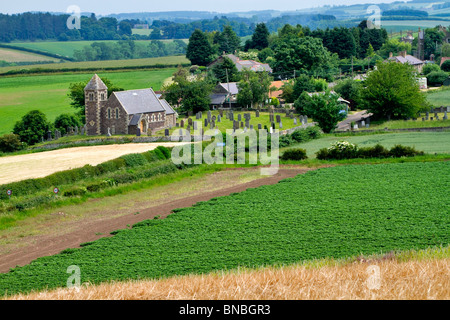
(11, 55)
(48, 93)
(336, 212)
(429, 142)
(410, 25)
(439, 97)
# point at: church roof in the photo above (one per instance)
(168, 107)
(96, 84)
(139, 101)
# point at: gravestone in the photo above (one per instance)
(427, 115)
(281, 125)
(271, 117)
(295, 121)
(195, 125)
(306, 119)
(219, 118)
(206, 122)
(182, 123)
(82, 132)
(166, 132)
(257, 113)
(437, 117)
(212, 124)
(76, 130)
(189, 113)
(251, 127)
(209, 116)
(445, 116)
(180, 132)
(221, 113)
(259, 126)
(245, 129)
(278, 118)
(190, 121)
(271, 130)
(138, 132)
(431, 118)
(242, 124)
(363, 123)
(49, 135)
(178, 125)
(247, 123)
(239, 117)
(423, 119)
(214, 118)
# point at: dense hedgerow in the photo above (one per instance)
(294, 154)
(345, 150)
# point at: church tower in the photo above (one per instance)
(96, 96)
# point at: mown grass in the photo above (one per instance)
(11, 55)
(362, 210)
(48, 93)
(439, 97)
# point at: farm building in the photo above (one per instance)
(125, 112)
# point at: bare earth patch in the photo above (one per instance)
(38, 165)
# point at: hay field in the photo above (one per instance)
(38, 165)
(10, 55)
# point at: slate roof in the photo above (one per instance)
(139, 101)
(96, 84)
(407, 59)
(168, 107)
(135, 120)
(233, 87)
(218, 98)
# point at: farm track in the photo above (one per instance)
(85, 231)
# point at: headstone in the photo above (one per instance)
(212, 124)
(219, 118)
(221, 113)
(445, 116)
(306, 119)
(182, 123)
(437, 117)
(278, 118)
(271, 117)
(138, 132)
(178, 125)
(271, 130)
(195, 125)
(49, 135)
(209, 116)
(166, 132)
(247, 123)
(423, 119)
(281, 125)
(180, 132)
(363, 123)
(259, 126)
(427, 115)
(206, 122)
(214, 118)
(242, 124)
(251, 127)
(190, 121)
(431, 118)
(239, 117)
(76, 130)
(189, 113)
(82, 132)
(257, 113)
(245, 129)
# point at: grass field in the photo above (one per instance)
(66, 48)
(11, 55)
(411, 25)
(439, 97)
(48, 93)
(429, 142)
(362, 210)
(102, 65)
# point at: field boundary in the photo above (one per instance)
(42, 53)
(427, 129)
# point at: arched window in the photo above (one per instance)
(91, 97)
(159, 116)
(153, 118)
(117, 113)
(108, 113)
(103, 96)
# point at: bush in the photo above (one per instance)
(446, 66)
(377, 151)
(300, 135)
(97, 186)
(10, 143)
(294, 154)
(342, 150)
(134, 159)
(436, 78)
(165, 151)
(111, 166)
(75, 192)
(313, 132)
(430, 67)
(399, 151)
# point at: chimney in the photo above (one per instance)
(390, 55)
(403, 54)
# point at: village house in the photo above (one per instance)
(224, 95)
(125, 112)
(403, 57)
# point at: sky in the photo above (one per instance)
(101, 7)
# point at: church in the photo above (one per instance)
(125, 112)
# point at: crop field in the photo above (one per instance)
(429, 142)
(335, 212)
(11, 55)
(412, 25)
(48, 93)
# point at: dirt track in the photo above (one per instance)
(38, 165)
(86, 231)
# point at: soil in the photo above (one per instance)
(88, 230)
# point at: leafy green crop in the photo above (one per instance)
(333, 212)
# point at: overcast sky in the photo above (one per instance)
(116, 6)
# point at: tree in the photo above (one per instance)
(10, 143)
(227, 40)
(430, 67)
(245, 96)
(350, 90)
(255, 88)
(227, 65)
(125, 28)
(64, 121)
(264, 54)
(288, 92)
(341, 41)
(303, 83)
(260, 38)
(199, 50)
(196, 96)
(325, 109)
(392, 92)
(445, 50)
(302, 103)
(394, 46)
(436, 78)
(446, 66)
(305, 53)
(32, 127)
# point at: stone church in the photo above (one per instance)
(125, 112)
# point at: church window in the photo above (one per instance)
(91, 97)
(153, 118)
(159, 116)
(109, 114)
(117, 113)
(103, 97)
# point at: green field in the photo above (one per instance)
(429, 142)
(48, 93)
(412, 25)
(11, 55)
(65, 48)
(439, 97)
(334, 212)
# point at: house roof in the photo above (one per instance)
(233, 88)
(406, 59)
(139, 101)
(135, 120)
(96, 84)
(218, 98)
(443, 59)
(168, 107)
(278, 85)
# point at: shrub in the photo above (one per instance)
(377, 151)
(97, 186)
(77, 191)
(399, 151)
(342, 150)
(313, 132)
(159, 154)
(10, 143)
(446, 66)
(294, 154)
(285, 141)
(436, 78)
(111, 166)
(134, 159)
(430, 67)
(300, 135)
(166, 152)
(323, 154)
